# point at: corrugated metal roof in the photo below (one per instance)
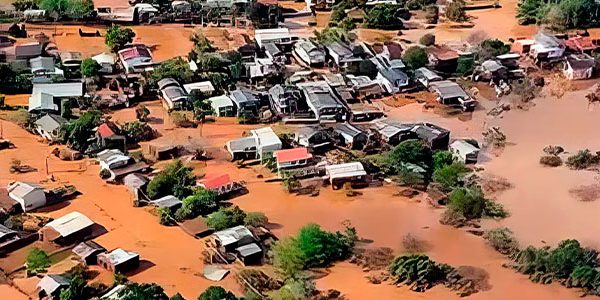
(203, 86)
(70, 223)
(60, 89)
(119, 256)
(233, 235)
(265, 136)
(350, 169)
(166, 202)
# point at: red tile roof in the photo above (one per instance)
(580, 43)
(105, 131)
(215, 181)
(289, 155)
(135, 51)
(442, 52)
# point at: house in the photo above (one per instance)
(170, 202)
(28, 50)
(115, 165)
(274, 53)
(232, 238)
(393, 133)
(464, 151)
(88, 252)
(45, 96)
(259, 68)
(292, 158)
(450, 93)
(250, 254)
(580, 44)
(313, 137)
(352, 137)
(509, 60)
(67, 229)
(107, 138)
(322, 102)
(173, 95)
(222, 106)
(139, 13)
(442, 58)
(491, 70)
(578, 66)
(49, 126)
(277, 36)
(425, 76)
(437, 138)
(360, 112)
(365, 88)
(17, 30)
(204, 87)
(136, 58)
(245, 102)
(107, 61)
(392, 80)
(136, 184)
(342, 55)
(546, 47)
(352, 172)
(309, 53)
(119, 261)
(41, 66)
(219, 183)
(285, 98)
(260, 142)
(11, 240)
(29, 195)
(51, 285)
(71, 60)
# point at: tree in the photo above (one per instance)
(142, 112)
(164, 216)
(409, 152)
(490, 48)
(502, 240)
(427, 40)
(467, 201)
(226, 218)
(216, 293)
(288, 258)
(530, 11)
(418, 271)
(77, 132)
(175, 68)
(76, 289)
(176, 179)
(348, 24)
(449, 177)
(117, 37)
(331, 34)
(455, 11)
(201, 44)
(386, 16)
(321, 247)
(37, 261)
(442, 159)
(22, 5)
(137, 131)
(464, 65)
(80, 9)
(137, 291)
(177, 297)
(415, 57)
(419, 4)
(90, 67)
(255, 219)
(201, 202)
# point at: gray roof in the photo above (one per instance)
(234, 235)
(60, 89)
(394, 75)
(348, 129)
(50, 122)
(166, 202)
(6, 232)
(28, 50)
(133, 181)
(448, 89)
(119, 256)
(319, 94)
(243, 96)
(70, 223)
(547, 40)
(428, 74)
(248, 250)
(580, 62)
(52, 283)
(242, 144)
(87, 248)
(429, 131)
(272, 49)
(340, 49)
(163, 83)
(174, 93)
(42, 64)
(492, 65)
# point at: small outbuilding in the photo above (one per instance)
(352, 172)
(250, 254)
(88, 252)
(352, 136)
(67, 229)
(579, 66)
(222, 106)
(51, 285)
(119, 261)
(49, 126)
(170, 202)
(464, 151)
(233, 238)
(30, 196)
(436, 137)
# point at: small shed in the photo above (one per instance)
(250, 254)
(106, 61)
(352, 172)
(205, 87)
(353, 137)
(234, 237)
(579, 66)
(222, 106)
(51, 285)
(464, 151)
(119, 261)
(69, 228)
(171, 202)
(88, 252)
(30, 196)
(136, 184)
(436, 137)
(49, 126)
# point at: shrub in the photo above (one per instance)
(449, 177)
(415, 57)
(288, 258)
(226, 218)
(217, 293)
(412, 244)
(455, 11)
(90, 67)
(142, 112)
(176, 179)
(464, 65)
(409, 152)
(386, 16)
(117, 37)
(490, 48)
(427, 40)
(134, 291)
(37, 261)
(164, 216)
(418, 271)
(582, 160)
(467, 201)
(551, 161)
(494, 209)
(256, 219)
(201, 202)
(442, 159)
(502, 240)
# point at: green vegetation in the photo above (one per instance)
(432, 14)
(582, 160)
(90, 67)
(164, 216)
(226, 218)
(559, 15)
(136, 131)
(331, 34)
(551, 161)
(415, 57)
(72, 9)
(386, 16)
(76, 289)
(37, 261)
(442, 159)
(312, 247)
(142, 112)
(427, 39)
(137, 291)
(217, 293)
(256, 219)
(117, 37)
(449, 177)
(419, 4)
(200, 202)
(470, 203)
(465, 65)
(455, 11)
(502, 240)
(418, 271)
(76, 133)
(176, 179)
(12, 82)
(221, 68)
(413, 152)
(490, 48)
(177, 297)
(175, 68)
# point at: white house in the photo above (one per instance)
(49, 126)
(578, 66)
(29, 195)
(261, 141)
(464, 151)
(347, 172)
(272, 35)
(222, 106)
(292, 158)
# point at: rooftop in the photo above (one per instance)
(70, 223)
(350, 169)
(215, 181)
(119, 256)
(233, 235)
(289, 155)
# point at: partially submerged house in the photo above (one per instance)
(425, 76)
(464, 151)
(219, 183)
(491, 70)
(119, 261)
(136, 59)
(313, 137)
(442, 58)
(71, 60)
(321, 100)
(11, 240)
(49, 126)
(30, 196)
(245, 102)
(436, 137)
(43, 68)
(222, 106)
(342, 55)
(169, 202)
(204, 87)
(309, 52)
(138, 13)
(108, 138)
(88, 252)
(579, 66)
(260, 142)
(292, 158)
(27, 50)
(452, 94)
(365, 88)
(51, 285)
(580, 44)
(352, 136)
(49, 97)
(67, 229)
(352, 172)
(546, 47)
(115, 165)
(278, 36)
(107, 61)
(241, 242)
(393, 133)
(173, 95)
(285, 98)
(392, 80)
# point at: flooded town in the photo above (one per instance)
(289, 150)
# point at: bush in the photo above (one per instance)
(226, 218)
(415, 57)
(418, 271)
(201, 202)
(135, 291)
(256, 219)
(176, 179)
(494, 209)
(449, 177)
(90, 67)
(502, 240)
(432, 14)
(386, 16)
(217, 293)
(464, 65)
(37, 261)
(408, 152)
(582, 160)
(142, 112)
(427, 40)
(490, 48)
(136, 131)
(442, 159)
(455, 11)
(164, 216)
(467, 201)
(419, 4)
(117, 37)
(551, 161)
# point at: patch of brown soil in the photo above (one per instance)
(586, 193)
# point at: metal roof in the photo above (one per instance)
(23, 189)
(203, 86)
(42, 101)
(166, 202)
(220, 101)
(350, 169)
(265, 136)
(52, 282)
(463, 147)
(119, 256)
(70, 223)
(449, 89)
(233, 235)
(59, 89)
(5, 231)
(50, 122)
(42, 64)
(85, 249)
(248, 250)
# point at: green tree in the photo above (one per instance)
(465, 65)
(142, 112)
(117, 37)
(216, 293)
(21, 5)
(469, 202)
(450, 176)
(56, 7)
(432, 14)
(80, 9)
(321, 247)
(177, 297)
(37, 261)
(288, 258)
(175, 68)
(164, 216)
(78, 132)
(90, 68)
(455, 11)
(176, 179)
(427, 40)
(530, 11)
(490, 48)
(418, 271)
(226, 218)
(76, 289)
(256, 219)
(143, 291)
(409, 152)
(331, 34)
(415, 57)
(136, 131)
(386, 16)
(201, 44)
(201, 202)
(442, 159)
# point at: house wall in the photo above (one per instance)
(35, 200)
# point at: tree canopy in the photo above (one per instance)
(176, 179)
(90, 67)
(490, 48)
(74, 9)
(77, 132)
(415, 57)
(143, 291)
(386, 16)
(217, 293)
(117, 37)
(37, 261)
(226, 217)
(560, 15)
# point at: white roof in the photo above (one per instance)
(70, 223)
(220, 101)
(203, 86)
(265, 35)
(508, 56)
(463, 147)
(43, 101)
(60, 89)
(105, 58)
(113, 294)
(233, 235)
(345, 170)
(265, 136)
(119, 256)
(166, 201)
(22, 189)
(105, 154)
(52, 282)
